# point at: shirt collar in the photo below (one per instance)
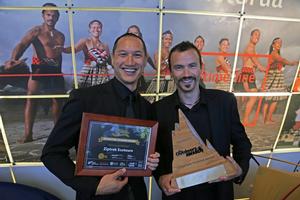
(203, 98)
(122, 91)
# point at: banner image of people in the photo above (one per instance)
(268, 59)
(27, 137)
(36, 59)
(166, 83)
(94, 36)
(262, 121)
(216, 43)
(290, 134)
(31, 56)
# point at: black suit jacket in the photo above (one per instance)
(100, 99)
(226, 130)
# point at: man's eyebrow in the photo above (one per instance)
(177, 65)
(124, 50)
(138, 51)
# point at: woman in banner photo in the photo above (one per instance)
(199, 42)
(223, 66)
(166, 82)
(167, 39)
(96, 66)
(275, 79)
(142, 86)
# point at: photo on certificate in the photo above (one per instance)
(32, 55)
(108, 143)
(268, 56)
(27, 127)
(262, 117)
(290, 133)
(94, 36)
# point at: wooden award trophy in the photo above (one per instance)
(193, 161)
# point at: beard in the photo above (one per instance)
(187, 83)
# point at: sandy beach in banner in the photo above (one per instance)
(12, 110)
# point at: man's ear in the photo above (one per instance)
(171, 72)
(112, 61)
(145, 62)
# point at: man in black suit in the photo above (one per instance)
(213, 114)
(111, 98)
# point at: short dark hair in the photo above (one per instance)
(254, 30)
(223, 39)
(137, 28)
(97, 21)
(50, 5)
(167, 32)
(199, 36)
(184, 46)
(271, 46)
(129, 35)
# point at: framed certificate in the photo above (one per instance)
(108, 143)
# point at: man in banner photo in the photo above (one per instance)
(46, 59)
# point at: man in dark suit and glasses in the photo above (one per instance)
(117, 97)
(213, 114)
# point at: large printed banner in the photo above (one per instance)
(252, 50)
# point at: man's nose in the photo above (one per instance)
(186, 72)
(129, 60)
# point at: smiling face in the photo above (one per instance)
(224, 46)
(95, 29)
(255, 37)
(50, 17)
(129, 60)
(277, 44)
(167, 40)
(185, 70)
(199, 43)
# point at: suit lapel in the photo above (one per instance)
(214, 119)
(106, 96)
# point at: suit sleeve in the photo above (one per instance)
(241, 145)
(63, 137)
(163, 144)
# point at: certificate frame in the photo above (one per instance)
(120, 143)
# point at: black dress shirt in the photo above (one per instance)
(215, 117)
(198, 113)
(110, 98)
